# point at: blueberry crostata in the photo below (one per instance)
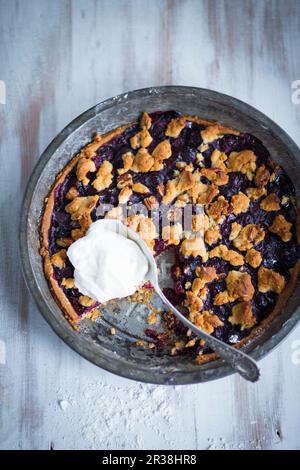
(231, 281)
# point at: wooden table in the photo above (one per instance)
(58, 58)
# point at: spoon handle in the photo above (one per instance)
(239, 361)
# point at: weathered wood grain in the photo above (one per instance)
(57, 59)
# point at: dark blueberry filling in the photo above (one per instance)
(276, 254)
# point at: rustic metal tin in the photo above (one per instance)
(118, 353)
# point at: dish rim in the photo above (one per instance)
(71, 338)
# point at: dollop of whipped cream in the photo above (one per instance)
(108, 264)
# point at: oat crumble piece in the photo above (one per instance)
(175, 126)
(205, 274)
(86, 301)
(205, 320)
(143, 161)
(255, 193)
(125, 194)
(221, 251)
(239, 287)
(262, 176)
(77, 233)
(59, 259)
(212, 235)
(71, 194)
(116, 213)
(64, 242)
(253, 257)
(194, 246)
(103, 176)
(141, 139)
(270, 203)
(269, 280)
(217, 160)
(235, 230)
(128, 159)
(249, 236)
(244, 161)
(215, 175)
(214, 131)
(172, 234)
(84, 166)
(240, 203)
(219, 209)
(242, 314)
(80, 209)
(68, 283)
(140, 188)
(282, 228)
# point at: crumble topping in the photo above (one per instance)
(214, 131)
(239, 287)
(255, 193)
(270, 203)
(125, 194)
(172, 234)
(175, 126)
(151, 202)
(212, 235)
(86, 301)
(215, 175)
(114, 213)
(235, 230)
(103, 176)
(205, 320)
(140, 188)
(203, 193)
(205, 274)
(194, 246)
(142, 162)
(244, 161)
(89, 150)
(242, 314)
(145, 121)
(124, 180)
(144, 226)
(253, 257)
(193, 302)
(77, 233)
(59, 259)
(282, 228)
(72, 193)
(249, 236)
(200, 222)
(269, 280)
(262, 176)
(128, 159)
(64, 242)
(80, 209)
(240, 203)
(162, 151)
(221, 251)
(141, 139)
(175, 187)
(68, 283)
(84, 166)
(217, 160)
(219, 209)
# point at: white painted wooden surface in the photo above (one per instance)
(58, 58)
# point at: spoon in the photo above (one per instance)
(239, 361)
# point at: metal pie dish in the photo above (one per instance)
(118, 353)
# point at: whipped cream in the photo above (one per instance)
(108, 265)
